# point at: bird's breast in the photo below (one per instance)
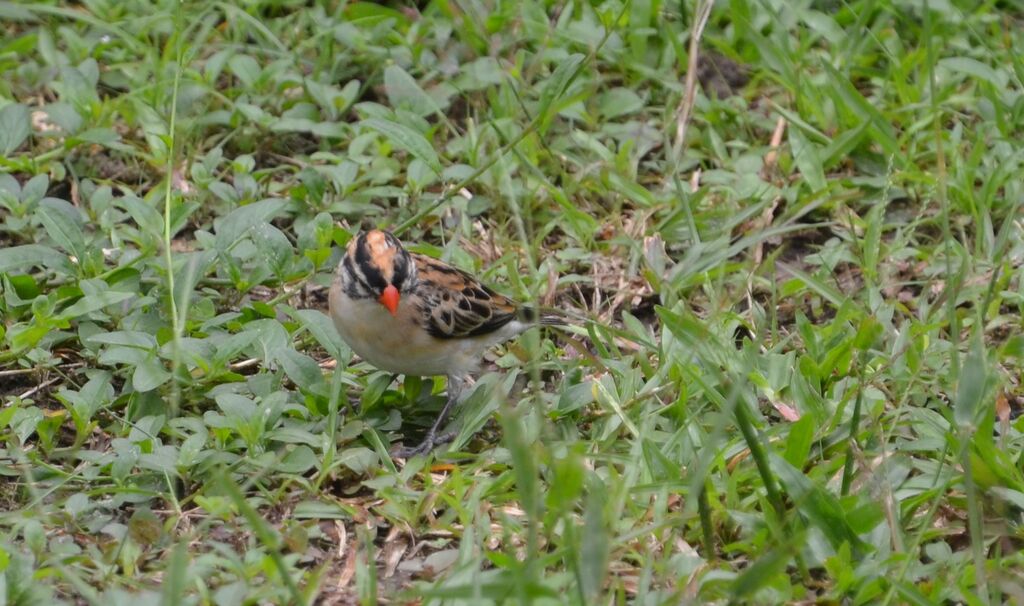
(398, 343)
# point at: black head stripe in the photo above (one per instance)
(404, 277)
(365, 267)
(362, 250)
(352, 280)
(401, 273)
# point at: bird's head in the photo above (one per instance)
(377, 266)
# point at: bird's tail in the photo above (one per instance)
(546, 317)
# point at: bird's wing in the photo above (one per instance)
(455, 305)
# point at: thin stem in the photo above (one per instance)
(177, 326)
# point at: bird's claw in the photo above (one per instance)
(428, 444)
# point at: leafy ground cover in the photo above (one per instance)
(793, 229)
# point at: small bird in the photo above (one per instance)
(414, 315)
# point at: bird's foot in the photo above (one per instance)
(428, 444)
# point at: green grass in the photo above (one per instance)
(801, 361)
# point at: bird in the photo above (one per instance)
(411, 314)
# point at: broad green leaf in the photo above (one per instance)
(301, 369)
(825, 25)
(236, 225)
(11, 11)
(177, 581)
(15, 127)
(319, 510)
(150, 374)
(976, 69)
(10, 191)
(659, 466)
(62, 225)
(842, 145)
(271, 337)
(566, 485)
(145, 216)
(332, 100)
(911, 594)
(274, 247)
(94, 395)
(820, 507)
(406, 138)
(107, 137)
(618, 102)
(404, 92)
(94, 302)
(479, 74)
(479, 407)
(778, 60)
(632, 190)
(1011, 496)
(35, 189)
(368, 14)
(971, 386)
(236, 406)
(873, 240)
(824, 289)
(808, 159)
(245, 68)
(64, 115)
(299, 460)
(295, 435)
(132, 356)
(868, 331)
(798, 443)
(334, 130)
(768, 565)
(21, 259)
(189, 450)
(24, 422)
(557, 83)
(18, 289)
(595, 543)
(847, 95)
(227, 349)
(359, 459)
(1014, 346)
(323, 330)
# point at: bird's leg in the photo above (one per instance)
(455, 386)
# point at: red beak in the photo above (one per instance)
(389, 298)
